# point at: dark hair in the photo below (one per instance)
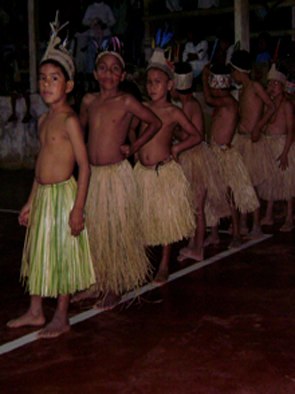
(56, 64)
(182, 68)
(220, 69)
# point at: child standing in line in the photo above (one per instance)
(280, 139)
(167, 213)
(252, 118)
(200, 167)
(56, 257)
(116, 241)
(241, 194)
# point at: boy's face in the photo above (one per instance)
(52, 83)
(236, 75)
(109, 72)
(274, 88)
(158, 84)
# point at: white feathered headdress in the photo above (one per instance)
(56, 49)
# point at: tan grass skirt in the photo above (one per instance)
(281, 184)
(256, 157)
(167, 213)
(237, 178)
(116, 239)
(54, 261)
(200, 166)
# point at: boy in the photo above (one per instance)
(200, 167)
(242, 196)
(116, 243)
(167, 213)
(56, 258)
(252, 100)
(279, 138)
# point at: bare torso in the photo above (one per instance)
(56, 158)
(108, 122)
(159, 147)
(224, 121)
(278, 123)
(250, 108)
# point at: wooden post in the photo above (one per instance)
(242, 33)
(293, 22)
(32, 46)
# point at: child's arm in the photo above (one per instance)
(76, 219)
(144, 114)
(194, 136)
(288, 114)
(269, 109)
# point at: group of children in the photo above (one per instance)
(89, 238)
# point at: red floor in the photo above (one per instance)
(224, 328)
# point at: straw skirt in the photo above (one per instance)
(167, 213)
(54, 262)
(116, 240)
(236, 178)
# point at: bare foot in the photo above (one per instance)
(212, 240)
(266, 221)
(85, 295)
(161, 277)
(54, 329)
(287, 227)
(235, 243)
(191, 254)
(28, 319)
(108, 302)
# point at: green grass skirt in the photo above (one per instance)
(54, 262)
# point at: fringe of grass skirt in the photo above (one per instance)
(281, 184)
(116, 239)
(202, 171)
(54, 262)
(167, 213)
(236, 178)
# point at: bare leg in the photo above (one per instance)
(33, 317)
(243, 225)
(256, 231)
(236, 240)
(163, 272)
(288, 225)
(90, 293)
(60, 321)
(108, 302)
(268, 218)
(196, 251)
(213, 238)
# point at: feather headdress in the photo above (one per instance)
(158, 58)
(111, 46)
(56, 49)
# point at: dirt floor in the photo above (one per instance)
(225, 325)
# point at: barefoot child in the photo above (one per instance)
(56, 257)
(167, 213)
(280, 139)
(241, 194)
(116, 243)
(200, 167)
(252, 100)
